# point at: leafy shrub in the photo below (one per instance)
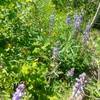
(37, 48)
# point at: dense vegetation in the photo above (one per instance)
(39, 44)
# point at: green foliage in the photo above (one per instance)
(94, 88)
(26, 48)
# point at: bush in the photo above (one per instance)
(38, 48)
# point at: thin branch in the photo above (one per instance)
(95, 15)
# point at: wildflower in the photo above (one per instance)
(19, 92)
(78, 88)
(68, 20)
(77, 21)
(88, 27)
(55, 54)
(86, 33)
(75, 17)
(71, 72)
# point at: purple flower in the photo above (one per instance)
(19, 92)
(77, 21)
(77, 25)
(21, 87)
(83, 75)
(88, 27)
(79, 85)
(71, 72)
(86, 33)
(68, 20)
(75, 17)
(55, 53)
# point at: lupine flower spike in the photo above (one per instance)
(55, 54)
(71, 72)
(68, 20)
(86, 33)
(19, 92)
(79, 85)
(77, 21)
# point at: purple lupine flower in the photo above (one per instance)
(77, 21)
(71, 72)
(79, 85)
(88, 27)
(55, 53)
(68, 20)
(75, 17)
(19, 92)
(86, 33)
